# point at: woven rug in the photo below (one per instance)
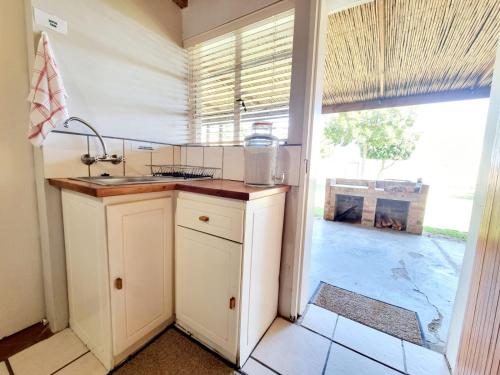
(393, 320)
(172, 353)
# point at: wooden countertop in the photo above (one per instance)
(218, 188)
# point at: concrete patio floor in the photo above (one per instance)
(419, 273)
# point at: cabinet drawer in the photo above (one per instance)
(219, 220)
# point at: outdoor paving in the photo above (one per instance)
(419, 273)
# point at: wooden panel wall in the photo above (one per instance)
(479, 352)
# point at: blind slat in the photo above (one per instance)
(252, 64)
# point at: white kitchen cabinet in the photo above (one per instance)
(227, 260)
(140, 268)
(120, 269)
(119, 256)
(208, 279)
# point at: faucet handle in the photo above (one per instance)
(116, 159)
(87, 159)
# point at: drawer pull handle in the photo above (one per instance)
(232, 303)
(204, 219)
(118, 283)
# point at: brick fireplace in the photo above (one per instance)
(373, 203)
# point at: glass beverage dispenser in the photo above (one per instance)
(261, 156)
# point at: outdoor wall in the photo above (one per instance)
(21, 287)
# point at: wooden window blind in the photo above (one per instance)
(240, 78)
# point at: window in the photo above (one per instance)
(240, 78)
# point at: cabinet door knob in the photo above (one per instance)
(118, 283)
(232, 303)
(204, 218)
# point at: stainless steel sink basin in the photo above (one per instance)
(110, 180)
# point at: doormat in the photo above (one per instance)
(393, 320)
(174, 353)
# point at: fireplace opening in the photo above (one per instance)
(348, 208)
(391, 214)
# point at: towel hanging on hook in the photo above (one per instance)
(47, 95)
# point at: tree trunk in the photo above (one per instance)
(383, 167)
(363, 161)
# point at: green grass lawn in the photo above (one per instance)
(318, 211)
(447, 233)
(450, 233)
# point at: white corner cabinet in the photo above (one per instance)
(121, 264)
(227, 261)
(119, 260)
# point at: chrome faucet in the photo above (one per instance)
(86, 158)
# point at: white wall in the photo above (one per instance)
(125, 72)
(21, 287)
(123, 66)
(204, 15)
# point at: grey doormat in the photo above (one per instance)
(173, 353)
(393, 320)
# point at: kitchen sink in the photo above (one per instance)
(120, 180)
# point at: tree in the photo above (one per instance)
(381, 134)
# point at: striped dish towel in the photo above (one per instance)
(47, 94)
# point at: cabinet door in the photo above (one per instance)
(141, 276)
(208, 271)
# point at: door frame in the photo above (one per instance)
(481, 214)
(312, 114)
(316, 45)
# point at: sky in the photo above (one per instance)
(447, 153)
(446, 158)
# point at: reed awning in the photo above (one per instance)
(402, 52)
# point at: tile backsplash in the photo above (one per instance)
(194, 155)
(115, 146)
(62, 154)
(233, 163)
(138, 157)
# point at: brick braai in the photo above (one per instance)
(397, 199)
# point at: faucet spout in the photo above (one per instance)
(82, 121)
(87, 159)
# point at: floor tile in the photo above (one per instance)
(290, 349)
(85, 365)
(370, 342)
(252, 367)
(320, 320)
(49, 355)
(422, 361)
(343, 361)
(3, 369)
(23, 339)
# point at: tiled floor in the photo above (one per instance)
(21, 340)
(325, 343)
(61, 354)
(320, 343)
